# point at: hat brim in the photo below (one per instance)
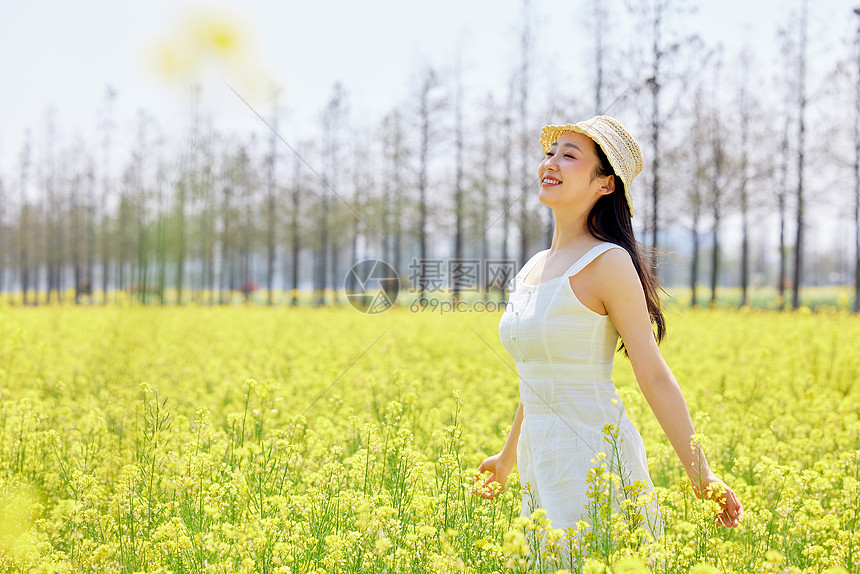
(550, 134)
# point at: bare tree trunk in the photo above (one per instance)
(51, 210)
(335, 267)
(745, 250)
(211, 238)
(246, 189)
(124, 229)
(656, 14)
(599, 20)
(716, 192)
(358, 200)
(91, 230)
(24, 230)
(140, 205)
(798, 244)
(4, 240)
(781, 196)
(233, 233)
(782, 254)
(161, 240)
(699, 142)
(207, 200)
(61, 242)
(424, 118)
(745, 117)
(656, 126)
(395, 153)
(526, 139)
(271, 215)
(77, 235)
(508, 177)
(482, 186)
(321, 259)
(362, 183)
(333, 128)
(107, 125)
(225, 294)
(186, 185)
(182, 190)
(204, 200)
(715, 255)
(857, 182)
(142, 260)
(398, 193)
(37, 230)
(386, 207)
(458, 183)
(296, 242)
(694, 270)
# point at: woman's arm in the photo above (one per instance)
(509, 452)
(500, 465)
(624, 299)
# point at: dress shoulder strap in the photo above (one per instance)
(590, 256)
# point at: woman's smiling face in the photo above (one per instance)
(566, 174)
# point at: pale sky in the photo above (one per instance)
(64, 54)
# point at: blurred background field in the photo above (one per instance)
(819, 297)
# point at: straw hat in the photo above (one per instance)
(616, 142)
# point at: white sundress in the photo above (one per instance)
(564, 352)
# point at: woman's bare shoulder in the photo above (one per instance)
(616, 271)
(615, 258)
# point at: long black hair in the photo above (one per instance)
(609, 220)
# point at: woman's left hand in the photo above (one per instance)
(731, 510)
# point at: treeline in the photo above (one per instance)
(214, 216)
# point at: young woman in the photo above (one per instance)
(567, 307)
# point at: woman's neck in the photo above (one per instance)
(570, 229)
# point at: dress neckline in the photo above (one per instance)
(565, 275)
(545, 251)
(539, 284)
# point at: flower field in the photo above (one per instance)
(247, 439)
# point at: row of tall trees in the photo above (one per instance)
(211, 217)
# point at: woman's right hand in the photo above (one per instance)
(500, 468)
